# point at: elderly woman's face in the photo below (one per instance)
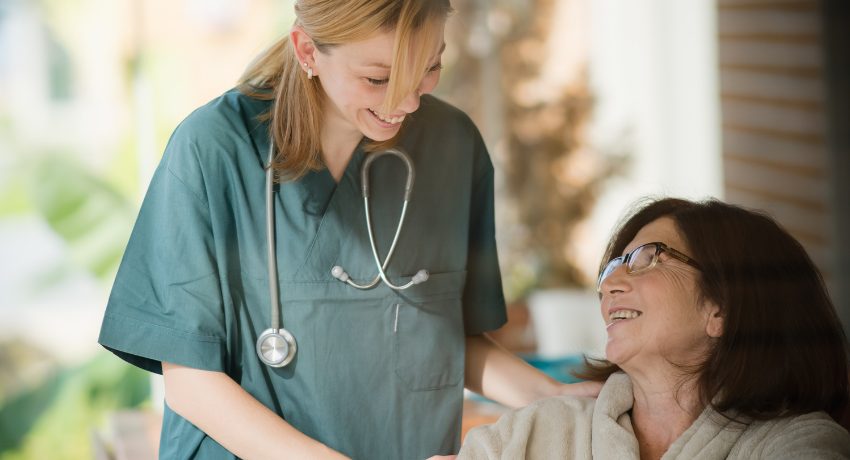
(655, 316)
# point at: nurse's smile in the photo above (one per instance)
(389, 122)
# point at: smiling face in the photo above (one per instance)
(354, 77)
(656, 316)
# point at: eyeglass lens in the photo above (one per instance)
(640, 258)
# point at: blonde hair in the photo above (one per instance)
(296, 116)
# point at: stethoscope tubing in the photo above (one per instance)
(381, 267)
(420, 276)
(276, 346)
(271, 243)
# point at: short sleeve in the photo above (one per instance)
(483, 299)
(166, 302)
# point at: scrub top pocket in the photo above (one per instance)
(430, 341)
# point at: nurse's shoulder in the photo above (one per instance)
(448, 136)
(216, 137)
(437, 114)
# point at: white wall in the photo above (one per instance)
(654, 73)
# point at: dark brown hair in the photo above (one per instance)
(783, 350)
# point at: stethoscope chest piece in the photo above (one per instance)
(276, 347)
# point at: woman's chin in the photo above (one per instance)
(615, 355)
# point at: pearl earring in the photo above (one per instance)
(309, 73)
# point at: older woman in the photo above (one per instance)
(722, 343)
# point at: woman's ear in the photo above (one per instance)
(714, 320)
(304, 47)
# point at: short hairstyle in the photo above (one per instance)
(783, 350)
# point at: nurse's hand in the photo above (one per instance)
(586, 389)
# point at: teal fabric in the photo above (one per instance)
(379, 373)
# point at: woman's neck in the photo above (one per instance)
(339, 139)
(663, 409)
(336, 157)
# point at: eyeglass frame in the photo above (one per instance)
(626, 258)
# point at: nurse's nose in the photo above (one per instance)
(411, 102)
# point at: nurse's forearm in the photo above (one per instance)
(222, 409)
(502, 376)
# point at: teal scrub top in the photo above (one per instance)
(378, 373)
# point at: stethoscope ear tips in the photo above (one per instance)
(420, 277)
(338, 273)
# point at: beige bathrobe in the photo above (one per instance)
(577, 428)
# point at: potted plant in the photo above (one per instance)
(550, 175)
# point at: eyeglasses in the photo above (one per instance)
(642, 258)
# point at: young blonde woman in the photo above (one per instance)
(376, 373)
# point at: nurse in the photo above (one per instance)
(378, 373)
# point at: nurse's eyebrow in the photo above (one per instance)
(385, 66)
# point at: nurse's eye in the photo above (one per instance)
(436, 67)
(377, 81)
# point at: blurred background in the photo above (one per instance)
(586, 106)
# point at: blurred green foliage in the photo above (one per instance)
(56, 419)
(14, 196)
(55, 415)
(48, 411)
(88, 213)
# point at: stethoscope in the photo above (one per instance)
(276, 346)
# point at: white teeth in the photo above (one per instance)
(392, 120)
(624, 314)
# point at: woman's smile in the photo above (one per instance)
(618, 314)
(385, 120)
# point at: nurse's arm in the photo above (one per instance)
(222, 409)
(502, 376)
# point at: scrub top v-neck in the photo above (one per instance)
(378, 373)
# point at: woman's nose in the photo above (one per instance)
(411, 102)
(616, 281)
